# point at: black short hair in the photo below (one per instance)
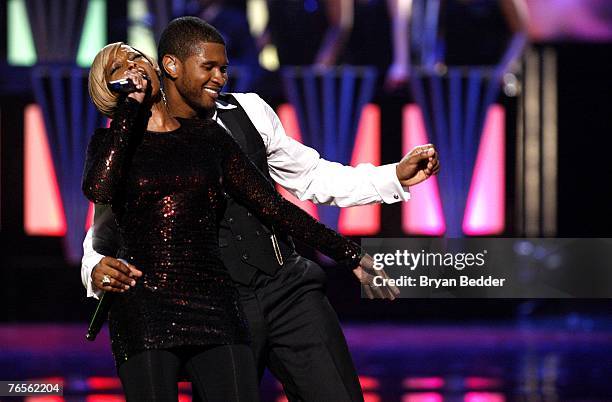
(182, 35)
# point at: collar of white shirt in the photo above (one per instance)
(223, 106)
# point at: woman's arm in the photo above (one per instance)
(107, 153)
(246, 184)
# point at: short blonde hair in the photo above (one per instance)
(103, 98)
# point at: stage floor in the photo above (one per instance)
(544, 361)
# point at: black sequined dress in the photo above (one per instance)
(167, 192)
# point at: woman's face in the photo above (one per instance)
(129, 59)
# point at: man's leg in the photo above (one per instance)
(257, 325)
(307, 349)
(224, 373)
(258, 329)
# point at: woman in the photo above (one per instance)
(165, 179)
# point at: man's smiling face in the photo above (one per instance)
(202, 75)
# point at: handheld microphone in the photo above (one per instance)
(99, 316)
(123, 85)
(101, 313)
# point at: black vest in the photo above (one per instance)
(245, 242)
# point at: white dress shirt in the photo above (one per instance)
(296, 167)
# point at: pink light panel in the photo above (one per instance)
(422, 214)
(485, 207)
(362, 220)
(104, 398)
(422, 397)
(484, 397)
(423, 382)
(482, 383)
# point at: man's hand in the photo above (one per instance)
(366, 274)
(122, 276)
(418, 165)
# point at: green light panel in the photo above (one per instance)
(94, 33)
(20, 44)
(139, 35)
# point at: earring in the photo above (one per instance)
(163, 95)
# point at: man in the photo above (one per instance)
(295, 332)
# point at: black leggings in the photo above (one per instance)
(224, 373)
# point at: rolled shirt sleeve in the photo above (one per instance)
(90, 259)
(101, 240)
(302, 171)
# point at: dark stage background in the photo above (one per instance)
(558, 112)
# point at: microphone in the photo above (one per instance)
(123, 85)
(102, 310)
(99, 316)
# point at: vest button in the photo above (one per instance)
(245, 256)
(230, 220)
(257, 233)
(249, 214)
(238, 238)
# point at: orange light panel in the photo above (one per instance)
(103, 383)
(90, 216)
(368, 383)
(286, 114)
(371, 397)
(43, 210)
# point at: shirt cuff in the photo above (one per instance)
(387, 185)
(88, 264)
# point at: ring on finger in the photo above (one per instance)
(106, 280)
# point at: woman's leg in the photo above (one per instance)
(224, 373)
(150, 376)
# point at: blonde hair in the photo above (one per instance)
(103, 98)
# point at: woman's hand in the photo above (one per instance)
(366, 273)
(140, 81)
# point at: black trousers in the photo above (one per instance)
(297, 335)
(224, 373)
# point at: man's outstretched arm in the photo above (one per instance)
(303, 172)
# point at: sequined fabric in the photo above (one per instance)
(167, 192)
